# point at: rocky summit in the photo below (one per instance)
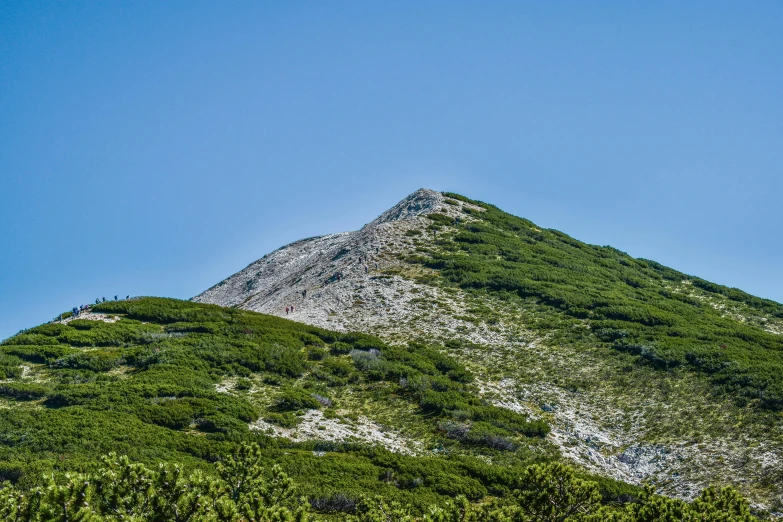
(645, 374)
(324, 278)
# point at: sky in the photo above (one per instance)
(155, 148)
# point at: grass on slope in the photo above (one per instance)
(149, 386)
(633, 305)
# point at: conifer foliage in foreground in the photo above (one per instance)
(241, 489)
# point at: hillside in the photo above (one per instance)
(196, 397)
(165, 380)
(445, 362)
(642, 372)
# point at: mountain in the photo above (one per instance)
(446, 356)
(644, 373)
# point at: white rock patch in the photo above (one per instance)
(93, 316)
(314, 426)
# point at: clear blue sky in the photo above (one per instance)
(154, 148)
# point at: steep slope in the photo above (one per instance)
(644, 373)
(323, 275)
(349, 281)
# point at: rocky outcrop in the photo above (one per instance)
(419, 203)
(322, 277)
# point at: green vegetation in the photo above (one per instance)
(239, 488)
(175, 385)
(181, 382)
(663, 317)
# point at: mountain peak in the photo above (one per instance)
(320, 275)
(421, 202)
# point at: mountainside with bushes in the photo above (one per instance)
(448, 361)
(644, 373)
(155, 409)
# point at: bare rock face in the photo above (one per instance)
(323, 277)
(421, 202)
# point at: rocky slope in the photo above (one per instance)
(322, 278)
(626, 423)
